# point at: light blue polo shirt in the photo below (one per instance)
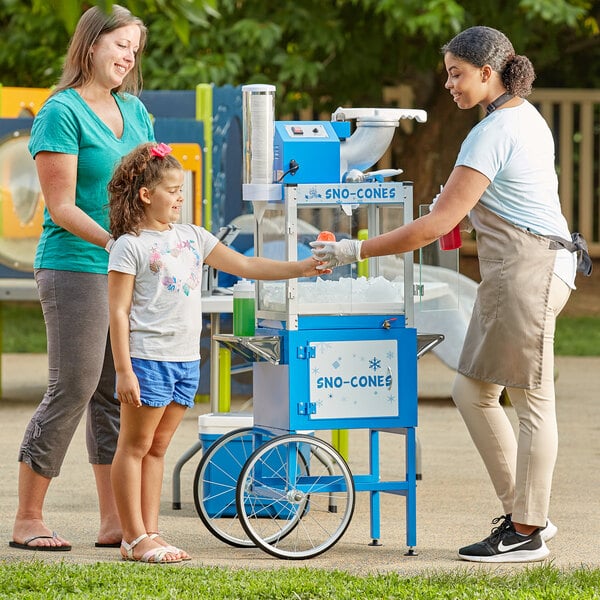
(514, 149)
(67, 125)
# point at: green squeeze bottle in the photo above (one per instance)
(243, 308)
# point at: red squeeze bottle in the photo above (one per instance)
(452, 240)
(326, 236)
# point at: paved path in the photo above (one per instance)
(455, 499)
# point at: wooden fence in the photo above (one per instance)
(574, 117)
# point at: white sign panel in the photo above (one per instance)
(354, 379)
(351, 193)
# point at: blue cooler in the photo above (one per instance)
(223, 467)
(210, 428)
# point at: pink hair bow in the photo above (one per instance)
(160, 150)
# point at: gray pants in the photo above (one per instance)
(81, 373)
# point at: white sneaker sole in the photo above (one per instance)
(549, 531)
(510, 557)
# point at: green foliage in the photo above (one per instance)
(34, 580)
(557, 13)
(23, 328)
(322, 55)
(326, 53)
(34, 42)
(577, 336)
(35, 33)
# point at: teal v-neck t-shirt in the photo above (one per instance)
(67, 125)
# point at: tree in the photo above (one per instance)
(323, 54)
(345, 52)
(35, 33)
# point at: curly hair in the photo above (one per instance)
(486, 46)
(138, 169)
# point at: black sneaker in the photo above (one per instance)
(506, 545)
(546, 533)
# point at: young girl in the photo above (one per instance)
(154, 284)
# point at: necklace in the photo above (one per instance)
(498, 102)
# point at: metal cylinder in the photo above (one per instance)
(258, 112)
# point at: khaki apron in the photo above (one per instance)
(505, 338)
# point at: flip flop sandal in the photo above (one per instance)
(107, 544)
(26, 545)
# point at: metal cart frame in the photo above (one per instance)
(293, 492)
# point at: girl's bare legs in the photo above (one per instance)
(153, 469)
(130, 471)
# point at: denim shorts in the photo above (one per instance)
(163, 382)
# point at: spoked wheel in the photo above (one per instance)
(216, 479)
(295, 478)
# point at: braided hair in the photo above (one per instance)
(482, 45)
(138, 169)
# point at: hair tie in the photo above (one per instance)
(161, 150)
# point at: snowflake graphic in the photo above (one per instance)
(374, 364)
(312, 194)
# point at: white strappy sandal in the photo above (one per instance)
(172, 549)
(156, 556)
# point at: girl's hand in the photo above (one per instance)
(128, 389)
(311, 267)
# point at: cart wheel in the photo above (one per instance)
(216, 479)
(274, 488)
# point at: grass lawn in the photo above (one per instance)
(23, 331)
(131, 581)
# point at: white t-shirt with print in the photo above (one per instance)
(165, 320)
(514, 149)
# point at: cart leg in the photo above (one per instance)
(375, 520)
(177, 472)
(418, 459)
(411, 493)
(374, 495)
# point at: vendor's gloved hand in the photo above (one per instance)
(336, 254)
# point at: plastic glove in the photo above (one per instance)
(336, 254)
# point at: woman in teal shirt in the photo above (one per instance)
(90, 121)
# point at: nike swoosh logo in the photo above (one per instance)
(503, 548)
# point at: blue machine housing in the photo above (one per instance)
(314, 146)
(295, 405)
